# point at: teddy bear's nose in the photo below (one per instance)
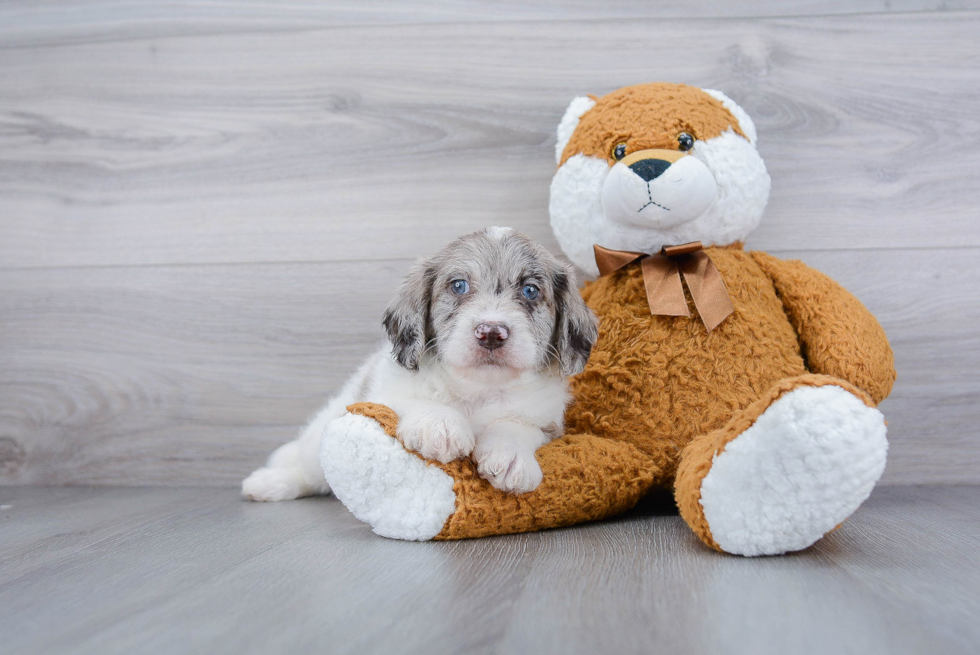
(649, 169)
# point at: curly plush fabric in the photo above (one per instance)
(661, 397)
(586, 478)
(648, 116)
(698, 456)
(767, 423)
(658, 381)
(838, 335)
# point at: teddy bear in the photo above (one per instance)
(745, 385)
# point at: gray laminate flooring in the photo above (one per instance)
(190, 570)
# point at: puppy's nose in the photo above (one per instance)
(491, 335)
(650, 169)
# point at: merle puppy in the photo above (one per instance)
(483, 337)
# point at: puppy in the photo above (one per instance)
(483, 336)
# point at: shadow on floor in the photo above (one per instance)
(659, 502)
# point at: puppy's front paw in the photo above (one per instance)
(440, 434)
(508, 468)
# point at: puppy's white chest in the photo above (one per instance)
(484, 403)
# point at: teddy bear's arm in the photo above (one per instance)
(838, 334)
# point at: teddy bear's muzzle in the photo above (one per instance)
(657, 189)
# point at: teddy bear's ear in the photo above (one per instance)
(576, 108)
(744, 122)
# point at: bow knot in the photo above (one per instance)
(662, 274)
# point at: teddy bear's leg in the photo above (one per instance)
(403, 496)
(784, 471)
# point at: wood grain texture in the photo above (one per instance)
(46, 21)
(191, 570)
(175, 374)
(205, 206)
(305, 144)
(192, 374)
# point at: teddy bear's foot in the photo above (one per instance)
(381, 483)
(403, 496)
(786, 470)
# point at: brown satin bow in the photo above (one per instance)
(662, 278)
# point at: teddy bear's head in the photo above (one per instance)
(654, 165)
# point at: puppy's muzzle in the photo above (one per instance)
(491, 335)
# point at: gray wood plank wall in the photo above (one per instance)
(204, 207)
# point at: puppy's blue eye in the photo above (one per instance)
(459, 287)
(530, 292)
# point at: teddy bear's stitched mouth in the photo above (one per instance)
(652, 202)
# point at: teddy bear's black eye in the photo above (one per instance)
(619, 151)
(685, 141)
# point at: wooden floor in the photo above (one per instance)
(205, 205)
(196, 570)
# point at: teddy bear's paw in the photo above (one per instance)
(381, 483)
(800, 470)
(508, 468)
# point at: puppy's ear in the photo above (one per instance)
(407, 318)
(576, 327)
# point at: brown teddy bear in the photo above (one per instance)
(744, 383)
